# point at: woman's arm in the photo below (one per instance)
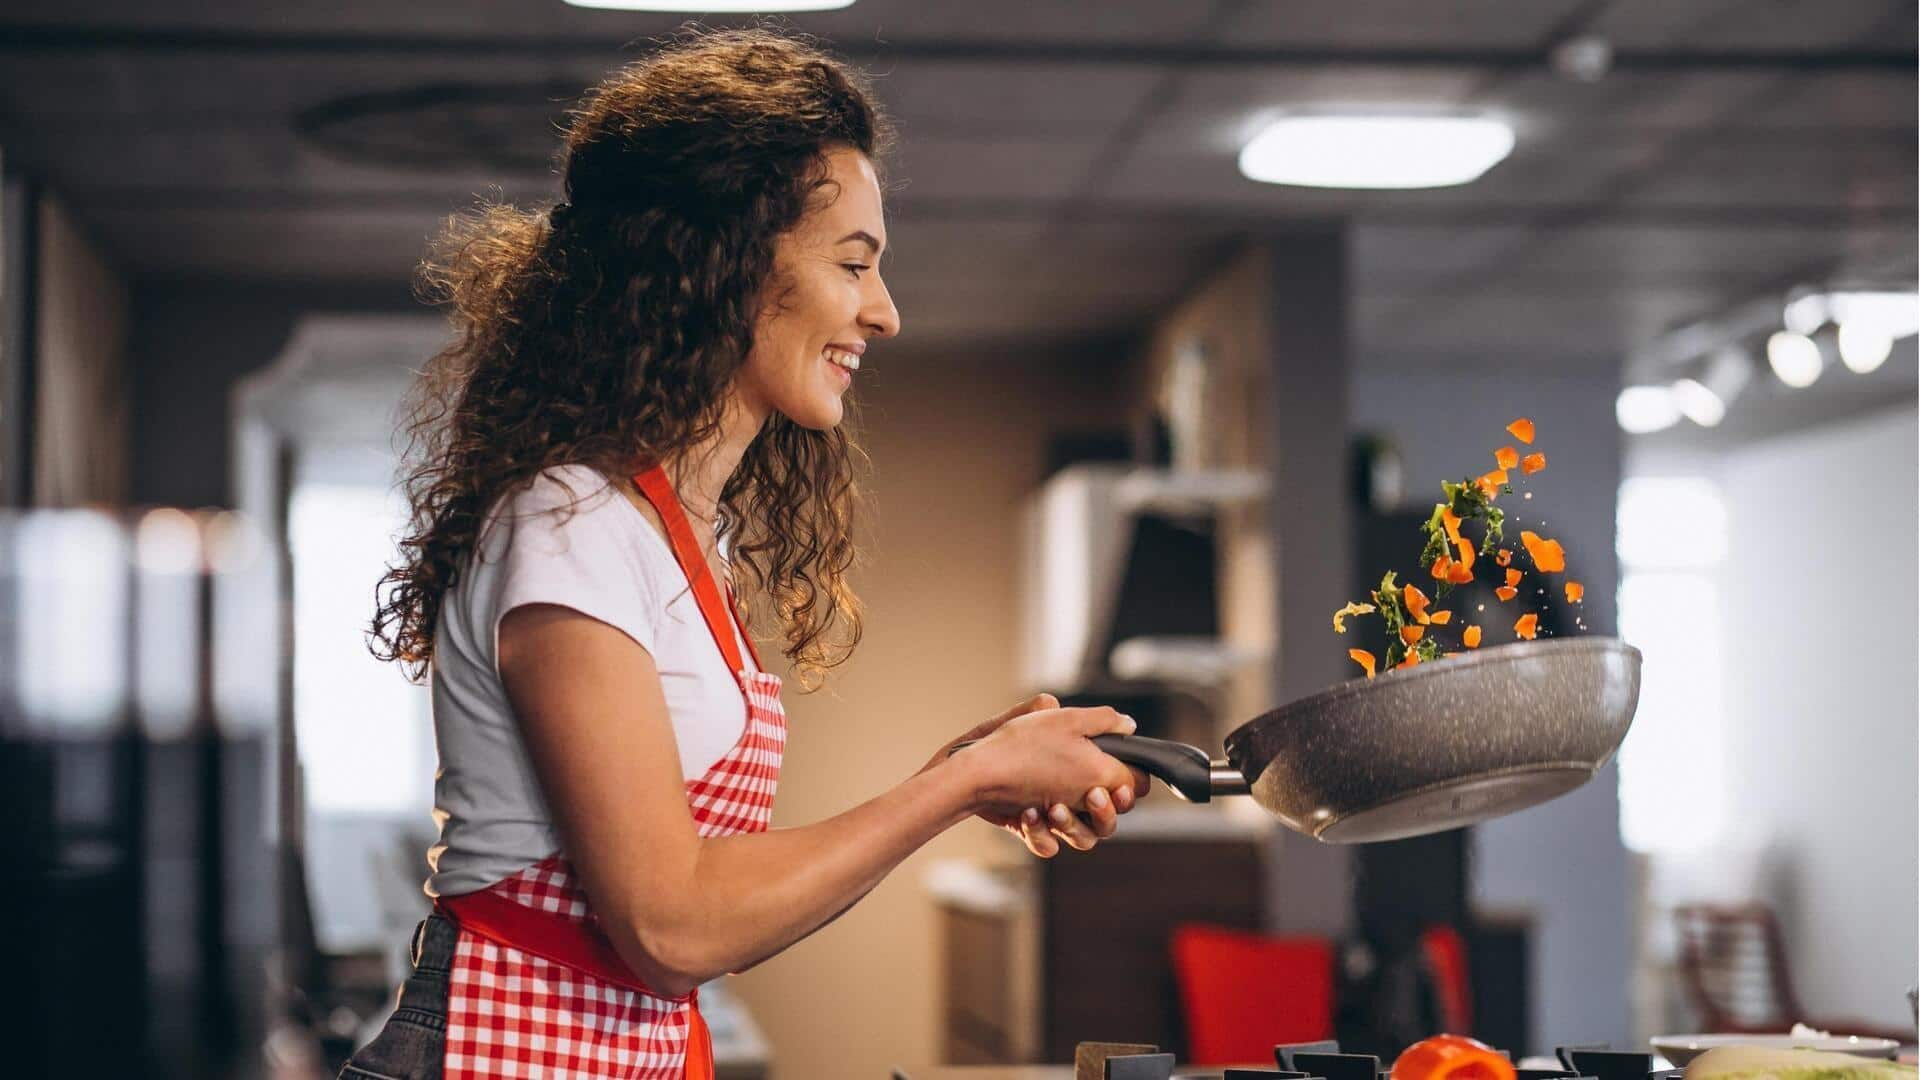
(681, 909)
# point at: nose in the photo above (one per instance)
(877, 313)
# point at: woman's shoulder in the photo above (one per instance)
(562, 503)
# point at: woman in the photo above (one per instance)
(644, 395)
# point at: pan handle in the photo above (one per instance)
(1186, 770)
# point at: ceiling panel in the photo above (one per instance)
(1858, 174)
(1398, 24)
(1017, 100)
(1753, 24)
(861, 25)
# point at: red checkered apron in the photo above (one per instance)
(537, 990)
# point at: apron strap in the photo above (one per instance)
(717, 612)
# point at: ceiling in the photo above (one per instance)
(1065, 169)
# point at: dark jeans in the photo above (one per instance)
(414, 1040)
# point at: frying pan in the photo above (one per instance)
(1421, 749)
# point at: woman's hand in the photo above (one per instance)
(1038, 769)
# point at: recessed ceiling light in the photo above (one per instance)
(1795, 359)
(1698, 403)
(1375, 151)
(1643, 410)
(715, 7)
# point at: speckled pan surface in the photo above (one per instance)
(1442, 744)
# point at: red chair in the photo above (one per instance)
(1241, 993)
(1733, 965)
(1445, 952)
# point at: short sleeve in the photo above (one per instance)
(584, 558)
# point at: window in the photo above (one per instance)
(1672, 539)
(363, 730)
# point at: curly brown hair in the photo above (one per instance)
(607, 331)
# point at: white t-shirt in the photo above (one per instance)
(606, 561)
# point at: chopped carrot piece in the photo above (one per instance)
(1503, 557)
(1412, 659)
(1513, 578)
(1471, 639)
(1466, 558)
(1490, 483)
(1523, 430)
(1452, 522)
(1441, 618)
(1508, 457)
(1575, 592)
(1548, 556)
(1441, 567)
(1506, 592)
(1340, 617)
(1411, 634)
(1363, 658)
(1416, 602)
(1533, 463)
(1526, 626)
(1458, 574)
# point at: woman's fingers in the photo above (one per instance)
(1070, 829)
(1103, 816)
(1102, 721)
(1034, 833)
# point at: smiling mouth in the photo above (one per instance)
(842, 359)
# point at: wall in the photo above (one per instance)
(956, 440)
(193, 340)
(1821, 693)
(1562, 862)
(80, 412)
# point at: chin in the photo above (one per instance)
(816, 417)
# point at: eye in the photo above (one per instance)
(855, 268)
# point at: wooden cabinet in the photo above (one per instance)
(1084, 953)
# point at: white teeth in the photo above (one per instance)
(850, 361)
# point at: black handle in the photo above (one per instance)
(1186, 770)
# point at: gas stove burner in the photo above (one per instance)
(1326, 1061)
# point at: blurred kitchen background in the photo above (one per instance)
(1149, 423)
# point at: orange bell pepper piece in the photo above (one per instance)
(1507, 457)
(1575, 592)
(1441, 618)
(1412, 659)
(1416, 602)
(1489, 483)
(1451, 1057)
(1363, 658)
(1522, 429)
(1471, 639)
(1506, 592)
(1513, 578)
(1548, 556)
(1411, 634)
(1459, 575)
(1533, 463)
(1503, 557)
(1526, 626)
(1440, 568)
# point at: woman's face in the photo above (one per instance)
(826, 301)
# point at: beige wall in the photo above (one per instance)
(80, 409)
(956, 442)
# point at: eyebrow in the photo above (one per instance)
(864, 237)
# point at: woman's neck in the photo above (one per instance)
(700, 474)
